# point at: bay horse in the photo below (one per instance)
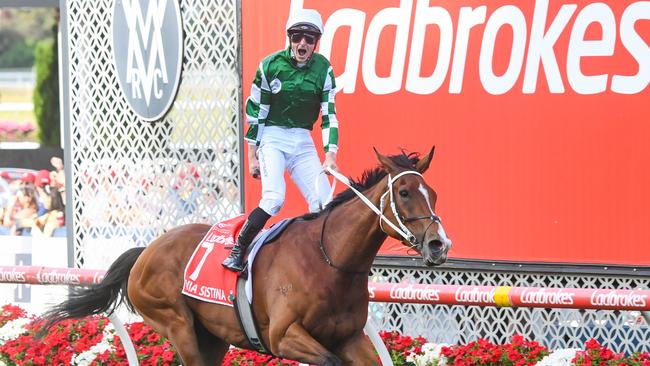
(310, 285)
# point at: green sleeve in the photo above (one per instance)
(329, 125)
(257, 106)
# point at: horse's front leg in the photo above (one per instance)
(298, 345)
(358, 351)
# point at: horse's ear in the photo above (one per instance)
(423, 164)
(386, 162)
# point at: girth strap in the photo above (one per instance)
(244, 312)
(242, 304)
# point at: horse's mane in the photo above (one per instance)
(369, 178)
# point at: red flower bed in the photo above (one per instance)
(245, 357)
(151, 348)
(597, 355)
(57, 346)
(92, 341)
(400, 346)
(518, 353)
(11, 312)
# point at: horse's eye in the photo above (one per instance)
(404, 193)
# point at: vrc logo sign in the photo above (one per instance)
(148, 64)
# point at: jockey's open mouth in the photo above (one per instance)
(302, 50)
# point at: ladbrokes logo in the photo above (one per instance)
(56, 277)
(465, 294)
(11, 275)
(547, 297)
(612, 298)
(220, 239)
(148, 67)
(550, 43)
(400, 292)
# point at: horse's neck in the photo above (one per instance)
(353, 233)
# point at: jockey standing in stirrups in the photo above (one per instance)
(291, 87)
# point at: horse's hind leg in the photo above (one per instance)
(201, 349)
(212, 349)
(297, 344)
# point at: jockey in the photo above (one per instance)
(291, 88)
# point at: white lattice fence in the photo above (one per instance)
(131, 179)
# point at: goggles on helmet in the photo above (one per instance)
(296, 37)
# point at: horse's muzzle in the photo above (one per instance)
(434, 252)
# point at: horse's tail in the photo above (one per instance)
(104, 297)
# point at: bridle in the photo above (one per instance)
(411, 239)
(408, 237)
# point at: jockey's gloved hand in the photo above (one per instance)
(330, 162)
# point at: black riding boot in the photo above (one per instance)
(252, 226)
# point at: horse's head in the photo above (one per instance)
(410, 204)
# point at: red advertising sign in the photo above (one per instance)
(539, 111)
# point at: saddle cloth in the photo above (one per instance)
(205, 278)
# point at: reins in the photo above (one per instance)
(328, 260)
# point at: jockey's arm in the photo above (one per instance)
(330, 124)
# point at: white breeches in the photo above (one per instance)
(291, 149)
